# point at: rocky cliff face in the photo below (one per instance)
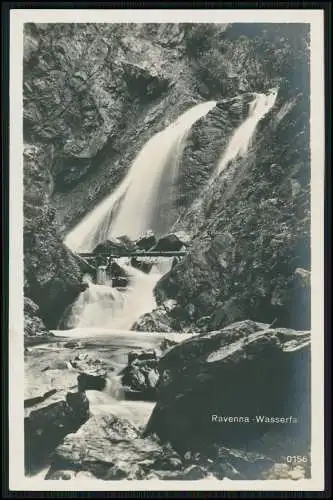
(95, 93)
(251, 229)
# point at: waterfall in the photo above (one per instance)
(130, 209)
(101, 275)
(241, 139)
(96, 306)
(105, 307)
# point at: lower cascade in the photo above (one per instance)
(104, 306)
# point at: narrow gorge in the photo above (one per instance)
(167, 251)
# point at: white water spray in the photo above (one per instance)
(106, 307)
(241, 139)
(131, 207)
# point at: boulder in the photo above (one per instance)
(144, 264)
(115, 246)
(46, 427)
(39, 399)
(72, 344)
(172, 242)
(165, 318)
(86, 267)
(209, 383)
(155, 321)
(92, 373)
(111, 448)
(140, 376)
(88, 382)
(115, 270)
(125, 240)
(147, 242)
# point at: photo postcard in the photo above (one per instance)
(166, 250)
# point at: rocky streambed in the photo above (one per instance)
(135, 405)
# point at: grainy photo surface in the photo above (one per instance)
(167, 252)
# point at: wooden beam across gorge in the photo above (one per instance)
(133, 254)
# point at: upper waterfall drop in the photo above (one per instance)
(241, 139)
(130, 208)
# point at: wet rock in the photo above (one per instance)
(38, 399)
(92, 372)
(128, 242)
(173, 242)
(245, 369)
(45, 427)
(88, 382)
(111, 448)
(166, 318)
(116, 271)
(147, 242)
(86, 267)
(149, 354)
(144, 264)
(155, 321)
(113, 246)
(72, 344)
(140, 376)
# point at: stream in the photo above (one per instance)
(49, 360)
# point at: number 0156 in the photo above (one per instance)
(299, 459)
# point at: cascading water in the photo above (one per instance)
(238, 145)
(105, 307)
(102, 314)
(130, 210)
(131, 207)
(241, 139)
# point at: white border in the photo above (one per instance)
(17, 480)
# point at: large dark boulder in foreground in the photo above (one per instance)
(245, 370)
(46, 426)
(111, 448)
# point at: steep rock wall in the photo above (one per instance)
(251, 231)
(95, 93)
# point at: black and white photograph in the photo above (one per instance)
(164, 297)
